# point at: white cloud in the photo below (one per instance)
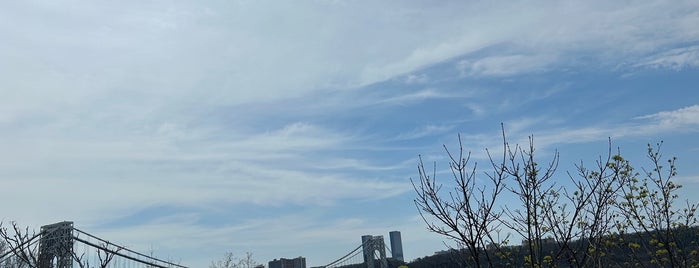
(609, 33)
(365, 165)
(675, 59)
(504, 65)
(687, 179)
(417, 79)
(292, 137)
(425, 131)
(106, 107)
(686, 118)
(177, 56)
(683, 119)
(172, 165)
(417, 96)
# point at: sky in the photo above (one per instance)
(292, 128)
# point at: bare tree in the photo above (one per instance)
(467, 214)
(537, 196)
(648, 210)
(80, 259)
(604, 210)
(21, 242)
(106, 252)
(4, 259)
(229, 260)
(583, 218)
(247, 261)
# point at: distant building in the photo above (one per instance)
(492, 246)
(299, 262)
(545, 241)
(449, 251)
(396, 245)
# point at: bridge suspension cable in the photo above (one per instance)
(347, 256)
(20, 247)
(23, 250)
(155, 262)
(25, 245)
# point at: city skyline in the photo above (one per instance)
(287, 129)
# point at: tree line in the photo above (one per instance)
(609, 207)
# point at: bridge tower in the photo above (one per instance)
(370, 245)
(56, 244)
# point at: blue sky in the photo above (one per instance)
(292, 128)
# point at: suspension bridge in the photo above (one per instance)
(61, 245)
(371, 253)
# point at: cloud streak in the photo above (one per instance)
(673, 121)
(110, 110)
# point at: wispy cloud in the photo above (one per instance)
(292, 137)
(682, 120)
(425, 131)
(674, 59)
(112, 109)
(417, 79)
(417, 96)
(270, 168)
(504, 65)
(687, 179)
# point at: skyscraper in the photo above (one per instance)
(396, 245)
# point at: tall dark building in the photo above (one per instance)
(396, 245)
(299, 262)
